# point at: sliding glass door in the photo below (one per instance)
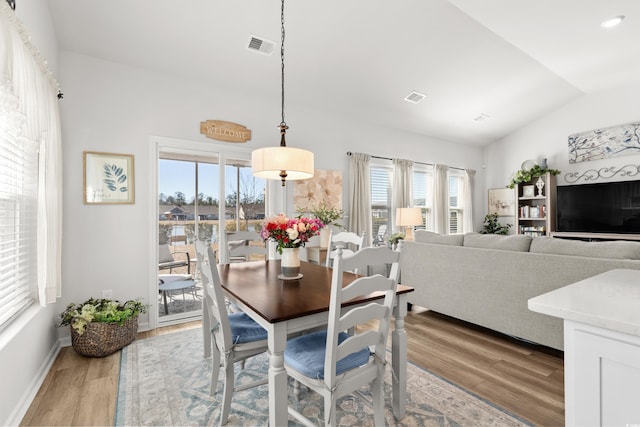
(199, 196)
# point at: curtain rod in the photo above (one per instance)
(420, 163)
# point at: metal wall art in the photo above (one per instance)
(626, 171)
(604, 143)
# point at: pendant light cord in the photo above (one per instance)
(282, 123)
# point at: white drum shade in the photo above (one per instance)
(268, 162)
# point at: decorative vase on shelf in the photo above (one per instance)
(540, 185)
(324, 237)
(290, 263)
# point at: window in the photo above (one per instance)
(423, 195)
(18, 219)
(380, 198)
(455, 203)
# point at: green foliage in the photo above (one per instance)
(395, 238)
(100, 310)
(328, 215)
(492, 226)
(527, 175)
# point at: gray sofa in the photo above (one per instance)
(488, 279)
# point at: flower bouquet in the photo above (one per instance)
(290, 232)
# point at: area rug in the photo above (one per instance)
(164, 381)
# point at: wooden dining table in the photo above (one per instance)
(286, 307)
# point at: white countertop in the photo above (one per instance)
(609, 300)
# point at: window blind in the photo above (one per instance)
(18, 212)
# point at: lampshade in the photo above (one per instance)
(408, 217)
(269, 162)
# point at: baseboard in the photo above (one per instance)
(21, 410)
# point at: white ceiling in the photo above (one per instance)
(512, 60)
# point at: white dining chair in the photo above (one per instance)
(233, 337)
(349, 242)
(242, 244)
(334, 363)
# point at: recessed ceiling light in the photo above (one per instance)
(612, 22)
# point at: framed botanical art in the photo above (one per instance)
(108, 178)
(502, 201)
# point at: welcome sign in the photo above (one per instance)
(225, 131)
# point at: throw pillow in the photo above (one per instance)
(518, 243)
(425, 236)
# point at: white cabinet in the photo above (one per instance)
(601, 347)
(602, 376)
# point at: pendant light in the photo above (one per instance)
(282, 162)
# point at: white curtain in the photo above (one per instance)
(360, 195)
(467, 201)
(402, 179)
(24, 72)
(440, 199)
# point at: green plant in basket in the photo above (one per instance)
(100, 310)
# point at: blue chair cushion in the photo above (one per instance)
(244, 329)
(306, 355)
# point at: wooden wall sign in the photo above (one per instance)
(225, 131)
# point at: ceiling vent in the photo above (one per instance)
(481, 118)
(415, 97)
(261, 45)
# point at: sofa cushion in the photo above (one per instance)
(617, 249)
(425, 236)
(518, 243)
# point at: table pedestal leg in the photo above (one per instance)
(399, 359)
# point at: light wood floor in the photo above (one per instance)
(523, 379)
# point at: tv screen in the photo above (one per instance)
(610, 207)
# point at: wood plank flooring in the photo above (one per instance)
(523, 379)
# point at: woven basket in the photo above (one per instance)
(102, 339)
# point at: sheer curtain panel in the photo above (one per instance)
(30, 173)
(440, 199)
(467, 203)
(402, 185)
(360, 195)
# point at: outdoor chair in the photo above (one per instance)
(334, 363)
(167, 260)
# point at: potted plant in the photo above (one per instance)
(100, 327)
(328, 215)
(395, 238)
(492, 226)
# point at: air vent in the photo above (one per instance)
(481, 118)
(261, 45)
(415, 97)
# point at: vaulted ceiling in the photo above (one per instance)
(510, 60)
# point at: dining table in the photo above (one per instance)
(285, 307)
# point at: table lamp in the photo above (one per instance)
(408, 218)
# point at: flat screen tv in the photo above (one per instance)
(611, 207)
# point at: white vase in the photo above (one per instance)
(324, 237)
(290, 262)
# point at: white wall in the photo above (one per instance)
(114, 108)
(548, 136)
(29, 344)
